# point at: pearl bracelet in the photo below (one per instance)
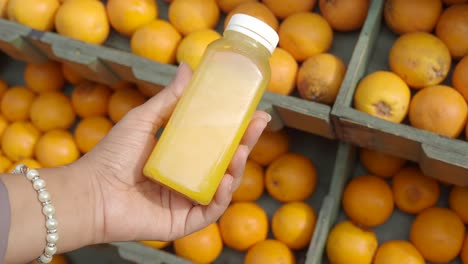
(47, 209)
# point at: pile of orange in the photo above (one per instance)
(437, 234)
(42, 125)
(417, 85)
(287, 177)
(301, 62)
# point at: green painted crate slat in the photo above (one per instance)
(439, 157)
(13, 42)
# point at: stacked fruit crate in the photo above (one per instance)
(315, 127)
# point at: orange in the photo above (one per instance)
(5, 164)
(283, 72)
(56, 148)
(368, 200)
(291, 177)
(305, 34)
(127, 16)
(243, 224)
(379, 163)
(37, 14)
(438, 234)
(383, 94)
(398, 252)
(193, 46)
(93, 26)
(122, 101)
(57, 259)
(348, 243)
(293, 224)
(399, 15)
(344, 15)
(270, 146)
(228, 5)
(319, 78)
(188, 16)
(458, 199)
(460, 78)
(16, 103)
(31, 163)
(3, 88)
(413, 191)
(256, 9)
(464, 251)
(252, 183)
(149, 90)
(155, 244)
(420, 59)
(283, 9)
(90, 99)
(3, 125)
(19, 139)
(157, 40)
(202, 246)
(70, 75)
(269, 251)
(3, 7)
(44, 77)
(89, 132)
(52, 110)
(439, 109)
(452, 29)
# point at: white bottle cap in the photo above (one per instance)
(254, 28)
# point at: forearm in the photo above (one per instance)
(72, 196)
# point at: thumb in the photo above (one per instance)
(158, 108)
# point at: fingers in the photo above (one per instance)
(237, 166)
(160, 107)
(258, 123)
(251, 136)
(200, 216)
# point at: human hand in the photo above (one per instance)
(131, 207)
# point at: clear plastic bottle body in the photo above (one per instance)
(202, 135)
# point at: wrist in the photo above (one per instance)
(72, 195)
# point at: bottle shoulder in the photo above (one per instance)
(244, 47)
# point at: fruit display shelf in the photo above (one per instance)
(334, 163)
(112, 62)
(397, 226)
(438, 156)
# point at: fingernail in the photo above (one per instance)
(268, 118)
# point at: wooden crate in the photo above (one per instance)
(440, 157)
(112, 62)
(397, 226)
(335, 165)
(332, 159)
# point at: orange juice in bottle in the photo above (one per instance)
(205, 129)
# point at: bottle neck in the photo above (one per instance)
(248, 41)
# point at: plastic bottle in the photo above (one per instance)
(205, 129)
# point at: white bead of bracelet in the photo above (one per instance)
(48, 210)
